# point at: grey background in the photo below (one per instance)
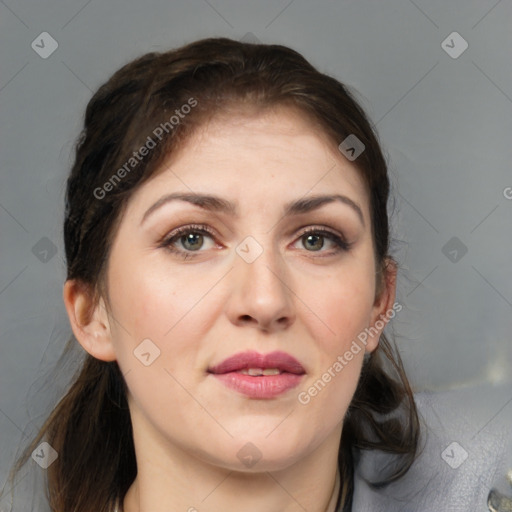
(445, 124)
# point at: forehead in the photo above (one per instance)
(273, 156)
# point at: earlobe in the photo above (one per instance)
(383, 308)
(89, 320)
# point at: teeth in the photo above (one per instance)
(252, 371)
(257, 372)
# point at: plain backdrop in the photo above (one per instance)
(443, 113)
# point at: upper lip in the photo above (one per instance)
(244, 360)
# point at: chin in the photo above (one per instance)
(254, 462)
(255, 453)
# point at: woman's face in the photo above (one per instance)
(241, 280)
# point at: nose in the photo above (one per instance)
(260, 294)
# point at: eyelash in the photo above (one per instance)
(168, 241)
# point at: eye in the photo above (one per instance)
(187, 240)
(313, 240)
(190, 238)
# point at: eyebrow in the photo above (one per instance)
(217, 204)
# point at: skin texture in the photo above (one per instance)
(188, 427)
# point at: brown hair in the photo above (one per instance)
(90, 427)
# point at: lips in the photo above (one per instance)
(253, 360)
(259, 376)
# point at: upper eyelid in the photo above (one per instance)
(212, 232)
(174, 233)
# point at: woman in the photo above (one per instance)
(228, 277)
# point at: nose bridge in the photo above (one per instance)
(261, 292)
(264, 277)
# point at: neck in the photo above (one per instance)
(250, 498)
(169, 480)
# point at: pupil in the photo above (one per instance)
(192, 241)
(317, 242)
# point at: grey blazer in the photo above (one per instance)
(467, 439)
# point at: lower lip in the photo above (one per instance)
(264, 386)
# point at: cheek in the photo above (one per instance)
(343, 302)
(170, 309)
(153, 301)
(162, 318)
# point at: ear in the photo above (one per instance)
(384, 306)
(89, 320)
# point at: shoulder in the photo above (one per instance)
(467, 450)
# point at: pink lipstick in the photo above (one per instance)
(259, 375)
